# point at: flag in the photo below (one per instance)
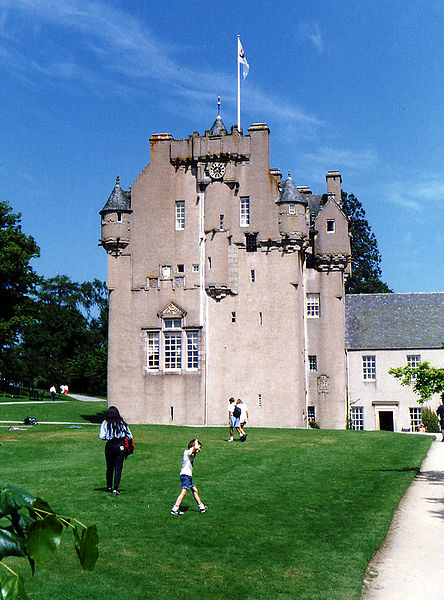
(241, 59)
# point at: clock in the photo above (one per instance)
(216, 170)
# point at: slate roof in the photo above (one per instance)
(394, 321)
(118, 200)
(218, 127)
(289, 193)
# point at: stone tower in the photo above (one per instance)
(225, 281)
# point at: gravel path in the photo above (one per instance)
(408, 566)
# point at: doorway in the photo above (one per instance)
(386, 420)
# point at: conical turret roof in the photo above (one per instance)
(119, 200)
(290, 193)
(218, 127)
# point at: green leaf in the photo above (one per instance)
(12, 499)
(43, 538)
(86, 545)
(11, 587)
(37, 506)
(11, 544)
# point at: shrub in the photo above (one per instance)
(430, 420)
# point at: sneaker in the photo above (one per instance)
(177, 511)
(109, 490)
(243, 438)
(230, 440)
(203, 509)
(116, 493)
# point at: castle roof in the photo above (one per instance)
(289, 193)
(119, 200)
(394, 321)
(218, 127)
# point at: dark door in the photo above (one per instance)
(386, 420)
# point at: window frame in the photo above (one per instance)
(179, 215)
(413, 360)
(155, 337)
(312, 363)
(357, 418)
(368, 367)
(313, 305)
(415, 415)
(244, 211)
(332, 224)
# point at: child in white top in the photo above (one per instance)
(186, 479)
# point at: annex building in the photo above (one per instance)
(225, 280)
(385, 331)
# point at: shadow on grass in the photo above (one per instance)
(415, 470)
(97, 418)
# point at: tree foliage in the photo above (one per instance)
(66, 341)
(366, 266)
(17, 277)
(31, 529)
(425, 380)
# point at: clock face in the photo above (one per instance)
(216, 170)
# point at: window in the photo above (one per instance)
(292, 209)
(415, 418)
(180, 268)
(233, 317)
(179, 281)
(253, 275)
(221, 222)
(331, 226)
(245, 211)
(313, 305)
(192, 349)
(165, 271)
(369, 368)
(357, 418)
(119, 217)
(153, 282)
(172, 323)
(311, 414)
(251, 242)
(173, 350)
(195, 268)
(413, 360)
(312, 362)
(153, 350)
(180, 215)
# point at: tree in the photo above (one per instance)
(66, 342)
(31, 529)
(17, 277)
(366, 266)
(425, 380)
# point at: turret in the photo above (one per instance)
(293, 219)
(115, 231)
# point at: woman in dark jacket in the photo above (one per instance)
(113, 430)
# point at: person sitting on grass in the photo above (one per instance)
(186, 479)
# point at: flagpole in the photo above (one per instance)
(238, 85)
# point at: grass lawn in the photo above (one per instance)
(292, 513)
(68, 410)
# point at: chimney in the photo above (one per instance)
(334, 181)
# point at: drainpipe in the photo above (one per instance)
(304, 316)
(203, 309)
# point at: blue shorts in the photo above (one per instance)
(186, 481)
(234, 421)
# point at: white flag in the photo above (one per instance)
(241, 59)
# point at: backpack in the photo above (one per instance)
(237, 411)
(129, 446)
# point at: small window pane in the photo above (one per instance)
(313, 305)
(173, 350)
(180, 215)
(245, 211)
(369, 368)
(192, 349)
(313, 363)
(357, 418)
(153, 350)
(172, 323)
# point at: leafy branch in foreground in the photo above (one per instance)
(424, 379)
(29, 528)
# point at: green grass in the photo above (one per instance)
(292, 514)
(73, 411)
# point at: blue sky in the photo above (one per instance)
(346, 85)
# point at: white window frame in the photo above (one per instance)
(153, 350)
(192, 350)
(244, 211)
(313, 305)
(180, 215)
(415, 413)
(413, 360)
(369, 367)
(333, 226)
(312, 363)
(292, 208)
(311, 414)
(357, 418)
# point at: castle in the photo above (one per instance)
(225, 280)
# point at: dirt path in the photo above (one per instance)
(408, 566)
